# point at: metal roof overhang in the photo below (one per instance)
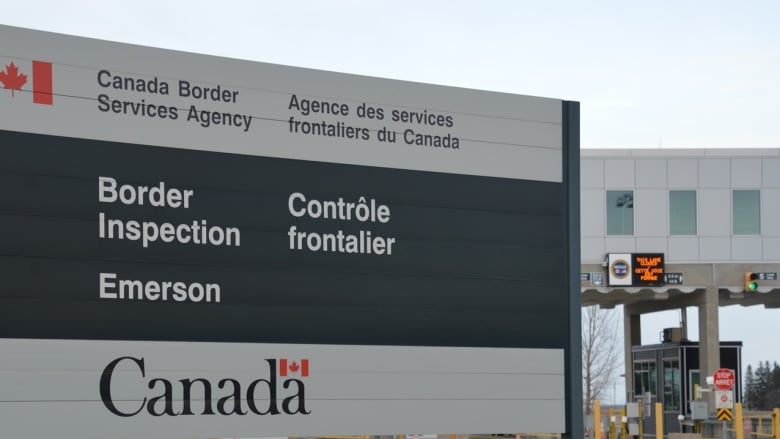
(677, 296)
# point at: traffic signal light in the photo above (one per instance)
(751, 281)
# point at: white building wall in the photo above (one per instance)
(651, 217)
(651, 174)
(770, 211)
(714, 212)
(683, 173)
(770, 174)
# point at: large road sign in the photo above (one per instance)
(194, 246)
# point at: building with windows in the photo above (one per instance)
(712, 215)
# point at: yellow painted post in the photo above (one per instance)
(659, 420)
(611, 424)
(776, 423)
(738, 426)
(624, 426)
(597, 419)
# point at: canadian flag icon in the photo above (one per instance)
(42, 92)
(293, 368)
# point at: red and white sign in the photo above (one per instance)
(14, 79)
(724, 379)
(724, 399)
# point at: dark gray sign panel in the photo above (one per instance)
(161, 211)
(446, 237)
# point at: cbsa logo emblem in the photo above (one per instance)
(619, 268)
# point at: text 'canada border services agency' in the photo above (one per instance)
(204, 117)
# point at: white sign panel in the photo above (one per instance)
(100, 90)
(151, 390)
(619, 268)
(724, 399)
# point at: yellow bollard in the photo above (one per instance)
(776, 423)
(659, 420)
(738, 425)
(597, 419)
(624, 426)
(612, 423)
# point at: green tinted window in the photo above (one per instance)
(746, 205)
(682, 212)
(671, 385)
(620, 212)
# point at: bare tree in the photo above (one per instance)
(599, 353)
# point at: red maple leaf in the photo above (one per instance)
(294, 367)
(12, 79)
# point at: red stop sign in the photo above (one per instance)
(724, 379)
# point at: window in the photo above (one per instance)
(682, 212)
(746, 214)
(693, 381)
(620, 212)
(644, 378)
(671, 386)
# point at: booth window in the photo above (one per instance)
(620, 212)
(671, 385)
(644, 378)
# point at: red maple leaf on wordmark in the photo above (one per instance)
(294, 367)
(12, 79)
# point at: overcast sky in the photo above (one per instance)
(693, 74)
(674, 74)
